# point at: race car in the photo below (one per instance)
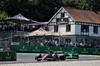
(71, 55)
(50, 56)
(56, 55)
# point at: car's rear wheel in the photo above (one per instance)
(39, 56)
(38, 60)
(77, 56)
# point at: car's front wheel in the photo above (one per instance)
(62, 57)
(55, 57)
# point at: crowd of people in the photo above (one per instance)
(56, 43)
(11, 27)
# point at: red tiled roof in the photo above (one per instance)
(84, 15)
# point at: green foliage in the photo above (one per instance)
(42, 10)
(3, 15)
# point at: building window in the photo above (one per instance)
(58, 19)
(55, 28)
(84, 28)
(68, 27)
(68, 40)
(62, 15)
(65, 19)
(95, 29)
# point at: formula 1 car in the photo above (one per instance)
(57, 55)
(71, 55)
(51, 56)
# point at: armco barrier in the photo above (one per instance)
(23, 48)
(8, 56)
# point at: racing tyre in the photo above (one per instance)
(62, 58)
(77, 56)
(37, 59)
(39, 56)
(55, 58)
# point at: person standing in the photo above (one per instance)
(0, 27)
(56, 43)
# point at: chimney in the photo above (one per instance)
(94, 10)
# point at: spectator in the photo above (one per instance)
(16, 28)
(66, 44)
(5, 27)
(33, 27)
(71, 44)
(56, 43)
(1, 49)
(46, 42)
(49, 43)
(12, 27)
(75, 44)
(84, 44)
(81, 44)
(21, 27)
(43, 27)
(0, 27)
(27, 27)
(42, 44)
(30, 28)
(9, 26)
(53, 43)
(9, 49)
(90, 45)
(61, 44)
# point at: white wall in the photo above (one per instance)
(58, 16)
(77, 29)
(63, 30)
(51, 28)
(73, 29)
(99, 31)
(54, 20)
(90, 30)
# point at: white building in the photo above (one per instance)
(76, 25)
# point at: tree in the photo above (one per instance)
(3, 15)
(43, 10)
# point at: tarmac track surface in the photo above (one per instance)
(30, 58)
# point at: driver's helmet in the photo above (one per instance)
(51, 52)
